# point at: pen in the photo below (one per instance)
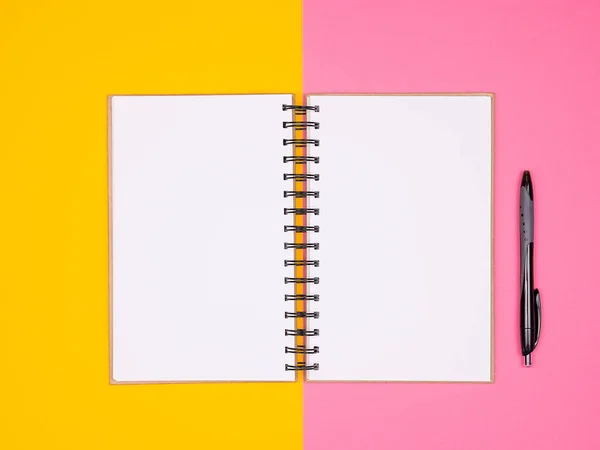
(531, 307)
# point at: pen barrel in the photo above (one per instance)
(529, 317)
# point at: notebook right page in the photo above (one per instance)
(405, 234)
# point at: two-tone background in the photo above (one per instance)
(58, 62)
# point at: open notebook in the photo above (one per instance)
(349, 238)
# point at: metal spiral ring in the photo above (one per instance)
(301, 194)
(302, 297)
(301, 262)
(302, 332)
(301, 108)
(301, 228)
(301, 159)
(301, 176)
(301, 211)
(301, 125)
(301, 246)
(302, 315)
(302, 366)
(302, 350)
(301, 280)
(301, 143)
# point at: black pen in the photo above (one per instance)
(531, 307)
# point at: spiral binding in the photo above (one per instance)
(300, 124)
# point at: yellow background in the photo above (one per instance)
(58, 62)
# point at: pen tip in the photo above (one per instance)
(526, 183)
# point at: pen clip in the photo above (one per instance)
(538, 310)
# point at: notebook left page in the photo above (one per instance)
(197, 238)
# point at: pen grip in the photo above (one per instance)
(526, 219)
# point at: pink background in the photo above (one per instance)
(542, 60)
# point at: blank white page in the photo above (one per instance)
(405, 238)
(197, 238)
